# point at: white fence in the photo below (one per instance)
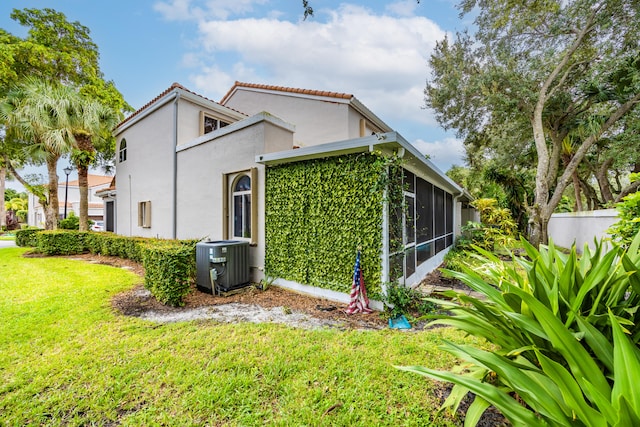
(580, 227)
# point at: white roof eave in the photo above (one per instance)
(389, 140)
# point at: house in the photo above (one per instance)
(36, 215)
(304, 176)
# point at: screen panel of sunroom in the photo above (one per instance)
(426, 223)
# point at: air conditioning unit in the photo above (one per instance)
(222, 265)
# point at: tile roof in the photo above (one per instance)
(174, 86)
(94, 180)
(92, 205)
(311, 92)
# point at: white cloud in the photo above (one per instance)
(380, 59)
(402, 8)
(183, 10)
(444, 153)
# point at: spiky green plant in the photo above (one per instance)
(566, 332)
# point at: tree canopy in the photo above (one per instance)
(61, 56)
(535, 75)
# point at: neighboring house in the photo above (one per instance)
(36, 215)
(297, 173)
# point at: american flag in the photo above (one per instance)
(359, 300)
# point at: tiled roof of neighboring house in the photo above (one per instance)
(111, 187)
(174, 86)
(94, 180)
(285, 89)
(91, 205)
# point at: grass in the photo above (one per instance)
(67, 359)
(7, 237)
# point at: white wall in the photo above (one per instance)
(201, 167)
(147, 174)
(316, 122)
(580, 227)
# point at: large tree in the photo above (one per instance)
(90, 123)
(533, 74)
(60, 52)
(36, 115)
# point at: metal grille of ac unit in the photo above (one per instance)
(229, 258)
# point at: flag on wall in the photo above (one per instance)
(359, 300)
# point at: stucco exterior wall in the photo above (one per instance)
(189, 118)
(580, 227)
(147, 174)
(201, 169)
(315, 122)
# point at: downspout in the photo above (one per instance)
(130, 210)
(175, 165)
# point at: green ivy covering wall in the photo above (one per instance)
(318, 212)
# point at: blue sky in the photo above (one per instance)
(375, 50)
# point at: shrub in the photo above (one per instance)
(61, 242)
(496, 226)
(566, 332)
(401, 300)
(71, 222)
(169, 264)
(169, 270)
(624, 230)
(27, 237)
(22, 215)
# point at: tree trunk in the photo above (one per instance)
(577, 192)
(52, 210)
(3, 214)
(603, 181)
(83, 159)
(83, 184)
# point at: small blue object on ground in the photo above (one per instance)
(399, 323)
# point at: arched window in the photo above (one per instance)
(123, 150)
(242, 207)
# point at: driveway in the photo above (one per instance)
(7, 244)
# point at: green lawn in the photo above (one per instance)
(67, 359)
(7, 237)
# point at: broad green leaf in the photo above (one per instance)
(475, 282)
(580, 362)
(599, 344)
(596, 275)
(528, 324)
(571, 392)
(567, 279)
(541, 395)
(634, 246)
(507, 405)
(626, 415)
(626, 364)
(475, 411)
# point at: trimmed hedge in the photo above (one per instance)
(27, 237)
(169, 270)
(170, 265)
(58, 242)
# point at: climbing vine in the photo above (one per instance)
(318, 212)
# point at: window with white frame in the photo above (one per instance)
(241, 207)
(209, 123)
(122, 152)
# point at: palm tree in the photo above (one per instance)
(36, 113)
(90, 123)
